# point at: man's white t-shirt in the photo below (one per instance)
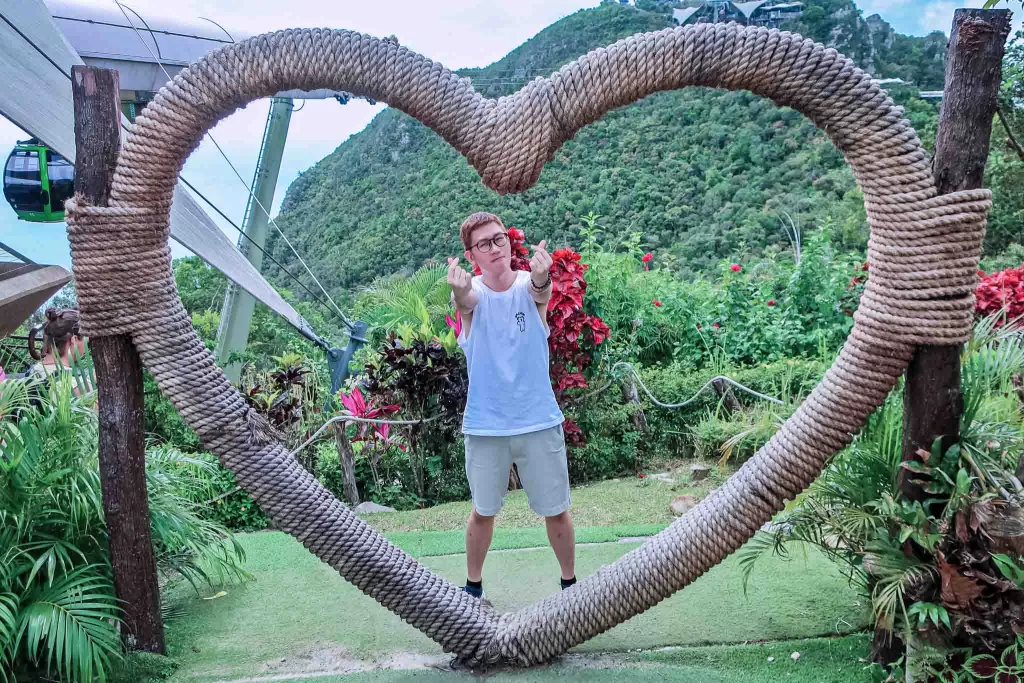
(507, 357)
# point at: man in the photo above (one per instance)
(511, 414)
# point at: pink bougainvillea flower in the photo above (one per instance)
(735, 268)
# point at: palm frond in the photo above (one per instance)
(895, 574)
(763, 543)
(14, 397)
(70, 626)
(8, 620)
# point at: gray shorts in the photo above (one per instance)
(540, 459)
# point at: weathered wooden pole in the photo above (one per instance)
(932, 402)
(122, 454)
(932, 399)
(347, 460)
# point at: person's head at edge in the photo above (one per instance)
(61, 337)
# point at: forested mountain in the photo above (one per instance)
(701, 173)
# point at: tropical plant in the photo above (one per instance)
(928, 563)
(429, 384)
(421, 299)
(58, 614)
(288, 396)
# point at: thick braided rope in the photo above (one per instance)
(923, 253)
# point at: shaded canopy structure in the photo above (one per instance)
(38, 46)
(24, 287)
(924, 250)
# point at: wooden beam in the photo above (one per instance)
(122, 454)
(932, 401)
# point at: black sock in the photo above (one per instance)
(475, 588)
(568, 582)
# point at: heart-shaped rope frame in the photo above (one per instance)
(923, 251)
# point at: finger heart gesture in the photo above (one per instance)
(540, 263)
(458, 279)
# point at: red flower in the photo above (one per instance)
(716, 326)
(641, 475)
(656, 303)
(735, 268)
(516, 234)
(647, 257)
(771, 302)
(698, 327)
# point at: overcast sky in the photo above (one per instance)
(457, 33)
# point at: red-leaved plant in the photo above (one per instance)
(1002, 294)
(574, 332)
(357, 406)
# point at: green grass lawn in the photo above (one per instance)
(822, 660)
(608, 503)
(300, 616)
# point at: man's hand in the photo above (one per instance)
(540, 264)
(460, 281)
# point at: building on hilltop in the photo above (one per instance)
(769, 13)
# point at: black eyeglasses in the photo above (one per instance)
(499, 240)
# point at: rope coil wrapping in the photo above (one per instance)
(923, 253)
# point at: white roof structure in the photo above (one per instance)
(108, 37)
(748, 8)
(681, 15)
(35, 94)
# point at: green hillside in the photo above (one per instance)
(701, 173)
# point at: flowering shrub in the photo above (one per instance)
(417, 377)
(574, 332)
(1001, 291)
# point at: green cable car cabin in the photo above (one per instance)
(37, 182)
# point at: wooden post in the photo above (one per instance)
(932, 402)
(347, 461)
(631, 396)
(724, 391)
(122, 455)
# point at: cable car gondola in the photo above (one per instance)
(37, 182)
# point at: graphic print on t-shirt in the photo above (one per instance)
(521, 319)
